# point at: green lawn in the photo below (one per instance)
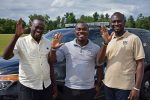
(4, 41)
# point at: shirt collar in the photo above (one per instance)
(126, 34)
(32, 39)
(76, 44)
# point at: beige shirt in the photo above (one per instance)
(34, 70)
(122, 54)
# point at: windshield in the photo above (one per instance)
(69, 35)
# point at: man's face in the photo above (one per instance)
(37, 29)
(118, 23)
(82, 32)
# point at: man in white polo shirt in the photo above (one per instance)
(124, 54)
(80, 55)
(34, 69)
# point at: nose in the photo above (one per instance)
(116, 23)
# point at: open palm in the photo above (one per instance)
(105, 35)
(56, 41)
(19, 27)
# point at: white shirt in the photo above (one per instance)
(34, 70)
(80, 64)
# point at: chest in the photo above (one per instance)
(120, 47)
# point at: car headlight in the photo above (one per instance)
(7, 80)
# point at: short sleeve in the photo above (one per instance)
(138, 49)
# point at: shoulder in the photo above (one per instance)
(69, 43)
(92, 44)
(132, 35)
(22, 38)
(46, 40)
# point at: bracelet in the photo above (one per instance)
(136, 89)
(52, 49)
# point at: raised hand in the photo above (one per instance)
(56, 41)
(105, 35)
(19, 28)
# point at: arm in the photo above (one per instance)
(8, 53)
(98, 82)
(102, 52)
(139, 73)
(134, 94)
(52, 56)
(9, 50)
(54, 45)
(53, 81)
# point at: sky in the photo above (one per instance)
(15, 9)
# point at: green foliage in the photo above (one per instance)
(130, 22)
(8, 25)
(4, 40)
(96, 16)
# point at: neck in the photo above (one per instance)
(118, 34)
(82, 43)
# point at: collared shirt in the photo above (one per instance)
(34, 70)
(122, 53)
(80, 64)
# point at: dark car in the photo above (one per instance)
(10, 67)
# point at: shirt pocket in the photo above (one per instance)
(44, 52)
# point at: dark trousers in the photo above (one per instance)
(116, 94)
(75, 94)
(26, 93)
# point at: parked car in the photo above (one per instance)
(9, 68)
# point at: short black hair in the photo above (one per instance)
(83, 24)
(122, 15)
(41, 18)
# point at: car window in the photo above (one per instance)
(94, 35)
(68, 34)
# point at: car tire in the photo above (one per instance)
(145, 87)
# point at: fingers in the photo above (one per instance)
(103, 29)
(19, 22)
(19, 27)
(58, 36)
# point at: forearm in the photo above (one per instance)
(139, 73)
(101, 54)
(52, 56)
(52, 75)
(8, 53)
(100, 75)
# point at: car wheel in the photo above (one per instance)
(145, 87)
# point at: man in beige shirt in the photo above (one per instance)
(34, 69)
(124, 54)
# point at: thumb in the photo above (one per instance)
(129, 97)
(61, 44)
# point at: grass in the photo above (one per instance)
(4, 41)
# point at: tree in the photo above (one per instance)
(70, 18)
(107, 17)
(101, 18)
(86, 19)
(95, 16)
(7, 26)
(130, 22)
